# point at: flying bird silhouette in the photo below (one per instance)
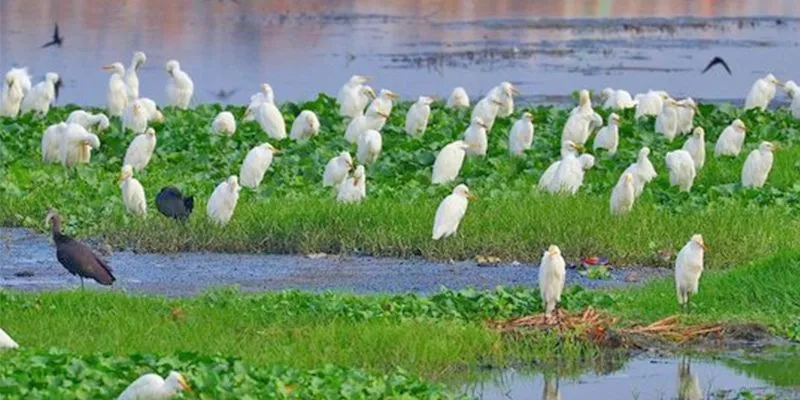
(58, 40)
(715, 61)
(223, 94)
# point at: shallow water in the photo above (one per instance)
(547, 48)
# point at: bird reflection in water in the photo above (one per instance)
(550, 391)
(688, 384)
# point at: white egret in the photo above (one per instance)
(76, 145)
(6, 342)
(223, 201)
(686, 111)
(623, 195)
(266, 95)
(336, 169)
(448, 162)
(131, 77)
(383, 104)
(458, 98)
(132, 192)
(617, 99)
(584, 104)
(141, 150)
(135, 117)
(731, 139)
(256, 164)
(41, 96)
(568, 176)
(117, 95)
(417, 117)
(688, 268)
(568, 150)
(350, 98)
(16, 85)
(521, 136)
(179, 86)
(757, 166)
(224, 123)
(51, 142)
(793, 91)
(487, 109)
(88, 120)
(642, 171)
(153, 387)
(650, 103)
(371, 120)
(270, 119)
(762, 92)
(450, 212)
(552, 276)
(370, 144)
(696, 146)
(505, 92)
(681, 169)
(153, 113)
(608, 136)
(305, 126)
(667, 120)
(582, 121)
(353, 189)
(475, 136)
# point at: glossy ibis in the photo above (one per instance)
(76, 257)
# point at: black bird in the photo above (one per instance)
(76, 257)
(171, 203)
(715, 61)
(57, 39)
(223, 94)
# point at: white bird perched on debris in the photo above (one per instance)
(450, 212)
(223, 201)
(505, 92)
(6, 342)
(370, 144)
(731, 140)
(417, 117)
(224, 123)
(448, 162)
(270, 119)
(487, 109)
(475, 136)
(793, 91)
(131, 77)
(353, 189)
(180, 87)
(667, 120)
(642, 171)
(608, 136)
(521, 136)
(650, 103)
(623, 195)
(51, 142)
(153, 113)
(153, 387)
(757, 166)
(336, 169)
(117, 95)
(350, 96)
(696, 147)
(617, 99)
(681, 169)
(16, 85)
(41, 96)
(305, 126)
(688, 268)
(383, 104)
(568, 150)
(568, 177)
(141, 150)
(360, 124)
(762, 92)
(458, 98)
(88, 120)
(686, 111)
(76, 145)
(135, 117)
(132, 192)
(552, 276)
(266, 95)
(256, 164)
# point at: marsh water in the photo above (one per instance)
(547, 48)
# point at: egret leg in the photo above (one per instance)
(688, 303)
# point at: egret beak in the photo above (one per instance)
(349, 167)
(472, 197)
(704, 246)
(276, 151)
(120, 178)
(393, 95)
(107, 67)
(371, 95)
(579, 147)
(514, 90)
(184, 385)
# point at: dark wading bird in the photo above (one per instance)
(715, 61)
(57, 39)
(170, 202)
(76, 257)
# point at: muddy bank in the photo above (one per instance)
(28, 262)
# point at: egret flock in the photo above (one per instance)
(71, 142)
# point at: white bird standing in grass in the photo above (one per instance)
(383, 105)
(642, 170)
(650, 103)
(131, 77)
(153, 387)
(353, 189)
(370, 144)
(696, 147)
(256, 164)
(117, 95)
(617, 99)
(568, 150)
(731, 140)
(623, 195)
(476, 137)
(180, 87)
(41, 96)
(667, 120)
(16, 85)
(76, 145)
(305, 126)
(336, 169)
(793, 91)
(417, 117)
(762, 92)
(135, 117)
(688, 268)
(521, 136)
(448, 162)
(51, 142)
(757, 166)
(351, 95)
(584, 104)
(141, 150)
(6, 342)
(132, 192)
(458, 98)
(686, 111)
(358, 125)
(487, 109)
(450, 212)
(270, 119)
(681, 169)
(568, 177)
(266, 95)
(505, 91)
(223, 201)
(581, 122)
(153, 113)
(608, 136)
(88, 120)
(552, 276)
(224, 124)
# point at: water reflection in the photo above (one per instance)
(688, 383)
(550, 390)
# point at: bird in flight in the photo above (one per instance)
(715, 61)
(223, 94)
(57, 39)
